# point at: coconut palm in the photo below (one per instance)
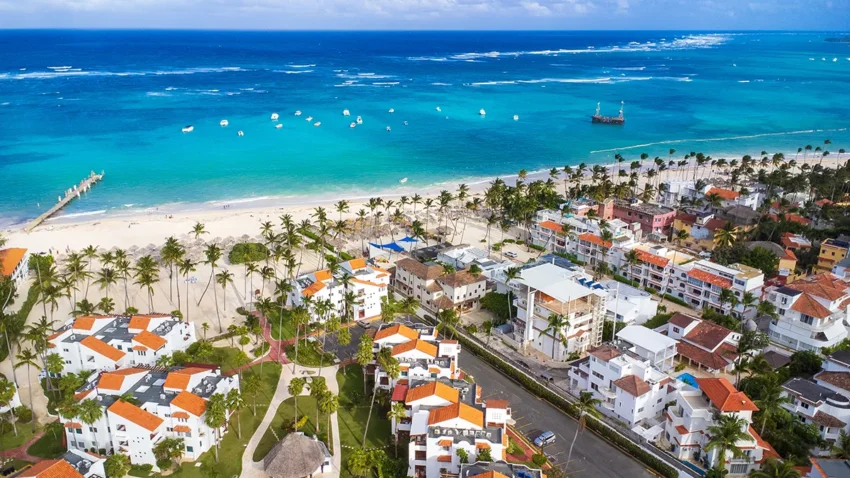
(198, 230)
(7, 393)
(586, 405)
(396, 414)
(184, 267)
(90, 411)
(213, 255)
(556, 323)
(106, 278)
(223, 278)
(28, 358)
(328, 404)
(146, 275)
(771, 401)
(841, 449)
(106, 304)
(90, 252)
(773, 468)
(511, 273)
(727, 431)
(122, 268)
(296, 388)
(235, 403)
(215, 417)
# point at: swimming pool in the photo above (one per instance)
(689, 379)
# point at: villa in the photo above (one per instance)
(368, 283)
(703, 343)
(420, 355)
(461, 290)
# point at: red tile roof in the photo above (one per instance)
(789, 217)
(825, 286)
(399, 392)
(789, 255)
(191, 403)
(769, 452)
(726, 194)
(430, 389)
(605, 352)
(682, 320)
(594, 239)
(688, 219)
(708, 335)
(681, 429)
(420, 345)
(103, 348)
(456, 410)
(9, 260)
(51, 469)
(806, 304)
(837, 379)
(724, 396)
(552, 226)
(712, 360)
(140, 417)
(444, 458)
(493, 403)
(710, 278)
(182, 429)
(649, 258)
(633, 385)
(489, 474)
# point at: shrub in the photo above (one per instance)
(619, 278)
(514, 449)
(679, 367)
(243, 252)
(651, 290)
(657, 321)
(23, 414)
(498, 304)
(675, 300)
(472, 328)
(538, 459)
(496, 247)
(536, 247)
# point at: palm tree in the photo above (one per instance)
(586, 405)
(727, 431)
(222, 279)
(106, 278)
(184, 267)
(147, 274)
(396, 414)
(7, 393)
(198, 229)
(771, 401)
(90, 411)
(205, 326)
(295, 388)
(106, 304)
(556, 323)
(122, 267)
(215, 417)
(328, 404)
(725, 236)
(841, 449)
(212, 254)
(28, 358)
(511, 273)
(773, 468)
(90, 252)
(235, 403)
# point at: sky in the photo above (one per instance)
(831, 15)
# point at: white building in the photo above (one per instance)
(564, 235)
(461, 256)
(675, 190)
(658, 349)
(459, 290)
(108, 342)
(654, 266)
(699, 284)
(171, 404)
(420, 355)
(544, 290)
(687, 423)
(627, 304)
(812, 312)
(703, 343)
(14, 264)
(368, 283)
(630, 388)
(73, 464)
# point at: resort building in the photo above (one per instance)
(627, 384)
(446, 420)
(109, 342)
(577, 235)
(420, 355)
(832, 251)
(73, 464)
(811, 312)
(461, 256)
(699, 284)
(652, 218)
(703, 343)
(687, 423)
(170, 404)
(545, 290)
(14, 264)
(628, 304)
(499, 469)
(368, 283)
(437, 291)
(673, 191)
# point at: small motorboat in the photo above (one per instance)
(240, 133)
(482, 112)
(223, 123)
(352, 125)
(317, 124)
(345, 112)
(188, 129)
(405, 123)
(275, 116)
(278, 126)
(516, 117)
(438, 109)
(389, 129)
(402, 180)
(298, 113)
(392, 110)
(308, 119)
(359, 120)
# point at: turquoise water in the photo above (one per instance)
(75, 101)
(688, 379)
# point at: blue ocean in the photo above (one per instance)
(76, 101)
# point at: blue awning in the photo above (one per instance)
(391, 246)
(407, 239)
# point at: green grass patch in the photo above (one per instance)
(284, 418)
(282, 331)
(309, 354)
(49, 446)
(232, 447)
(353, 413)
(9, 441)
(657, 321)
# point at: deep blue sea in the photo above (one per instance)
(75, 101)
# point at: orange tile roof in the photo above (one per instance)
(594, 239)
(313, 288)
(365, 282)
(403, 330)
(9, 260)
(482, 445)
(492, 403)
(769, 452)
(433, 369)
(726, 194)
(140, 348)
(357, 263)
(81, 395)
(114, 380)
(724, 396)
(431, 389)
(150, 340)
(789, 255)
(191, 403)
(552, 226)
(710, 278)
(51, 469)
(445, 442)
(489, 474)
(73, 425)
(83, 323)
(456, 410)
(649, 258)
(323, 275)
(444, 458)
(420, 345)
(179, 379)
(140, 417)
(633, 385)
(103, 348)
(180, 415)
(139, 322)
(806, 304)
(681, 429)
(182, 429)
(825, 286)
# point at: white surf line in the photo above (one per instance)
(728, 138)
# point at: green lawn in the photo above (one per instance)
(232, 447)
(285, 416)
(49, 446)
(287, 329)
(9, 441)
(309, 354)
(353, 412)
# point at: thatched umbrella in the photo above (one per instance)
(296, 456)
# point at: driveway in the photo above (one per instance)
(592, 457)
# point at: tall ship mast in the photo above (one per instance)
(598, 118)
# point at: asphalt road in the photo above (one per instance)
(592, 457)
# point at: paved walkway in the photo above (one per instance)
(252, 469)
(20, 453)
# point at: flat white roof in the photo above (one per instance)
(645, 338)
(555, 282)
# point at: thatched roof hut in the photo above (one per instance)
(296, 456)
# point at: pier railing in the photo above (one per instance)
(62, 201)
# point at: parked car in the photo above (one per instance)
(511, 254)
(545, 438)
(524, 364)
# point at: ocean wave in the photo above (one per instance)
(631, 68)
(600, 80)
(743, 81)
(437, 83)
(83, 214)
(385, 83)
(360, 76)
(427, 58)
(292, 72)
(74, 72)
(156, 93)
(301, 66)
(239, 201)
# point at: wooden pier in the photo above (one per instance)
(70, 195)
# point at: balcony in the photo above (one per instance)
(607, 392)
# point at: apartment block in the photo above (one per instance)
(702, 343)
(832, 251)
(368, 283)
(420, 354)
(652, 218)
(435, 290)
(14, 264)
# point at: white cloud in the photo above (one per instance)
(536, 9)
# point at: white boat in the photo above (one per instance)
(188, 129)
(482, 112)
(308, 119)
(240, 133)
(352, 125)
(317, 124)
(359, 120)
(345, 112)
(223, 122)
(392, 110)
(516, 117)
(438, 109)
(298, 113)
(388, 128)
(403, 180)
(835, 59)
(275, 116)
(405, 123)
(278, 126)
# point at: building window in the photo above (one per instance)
(807, 319)
(676, 329)
(640, 410)
(189, 449)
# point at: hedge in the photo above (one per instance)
(561, 403)
(570, 257)
(254, 251)
(536, 247)
(619, 278)
(676, 300)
